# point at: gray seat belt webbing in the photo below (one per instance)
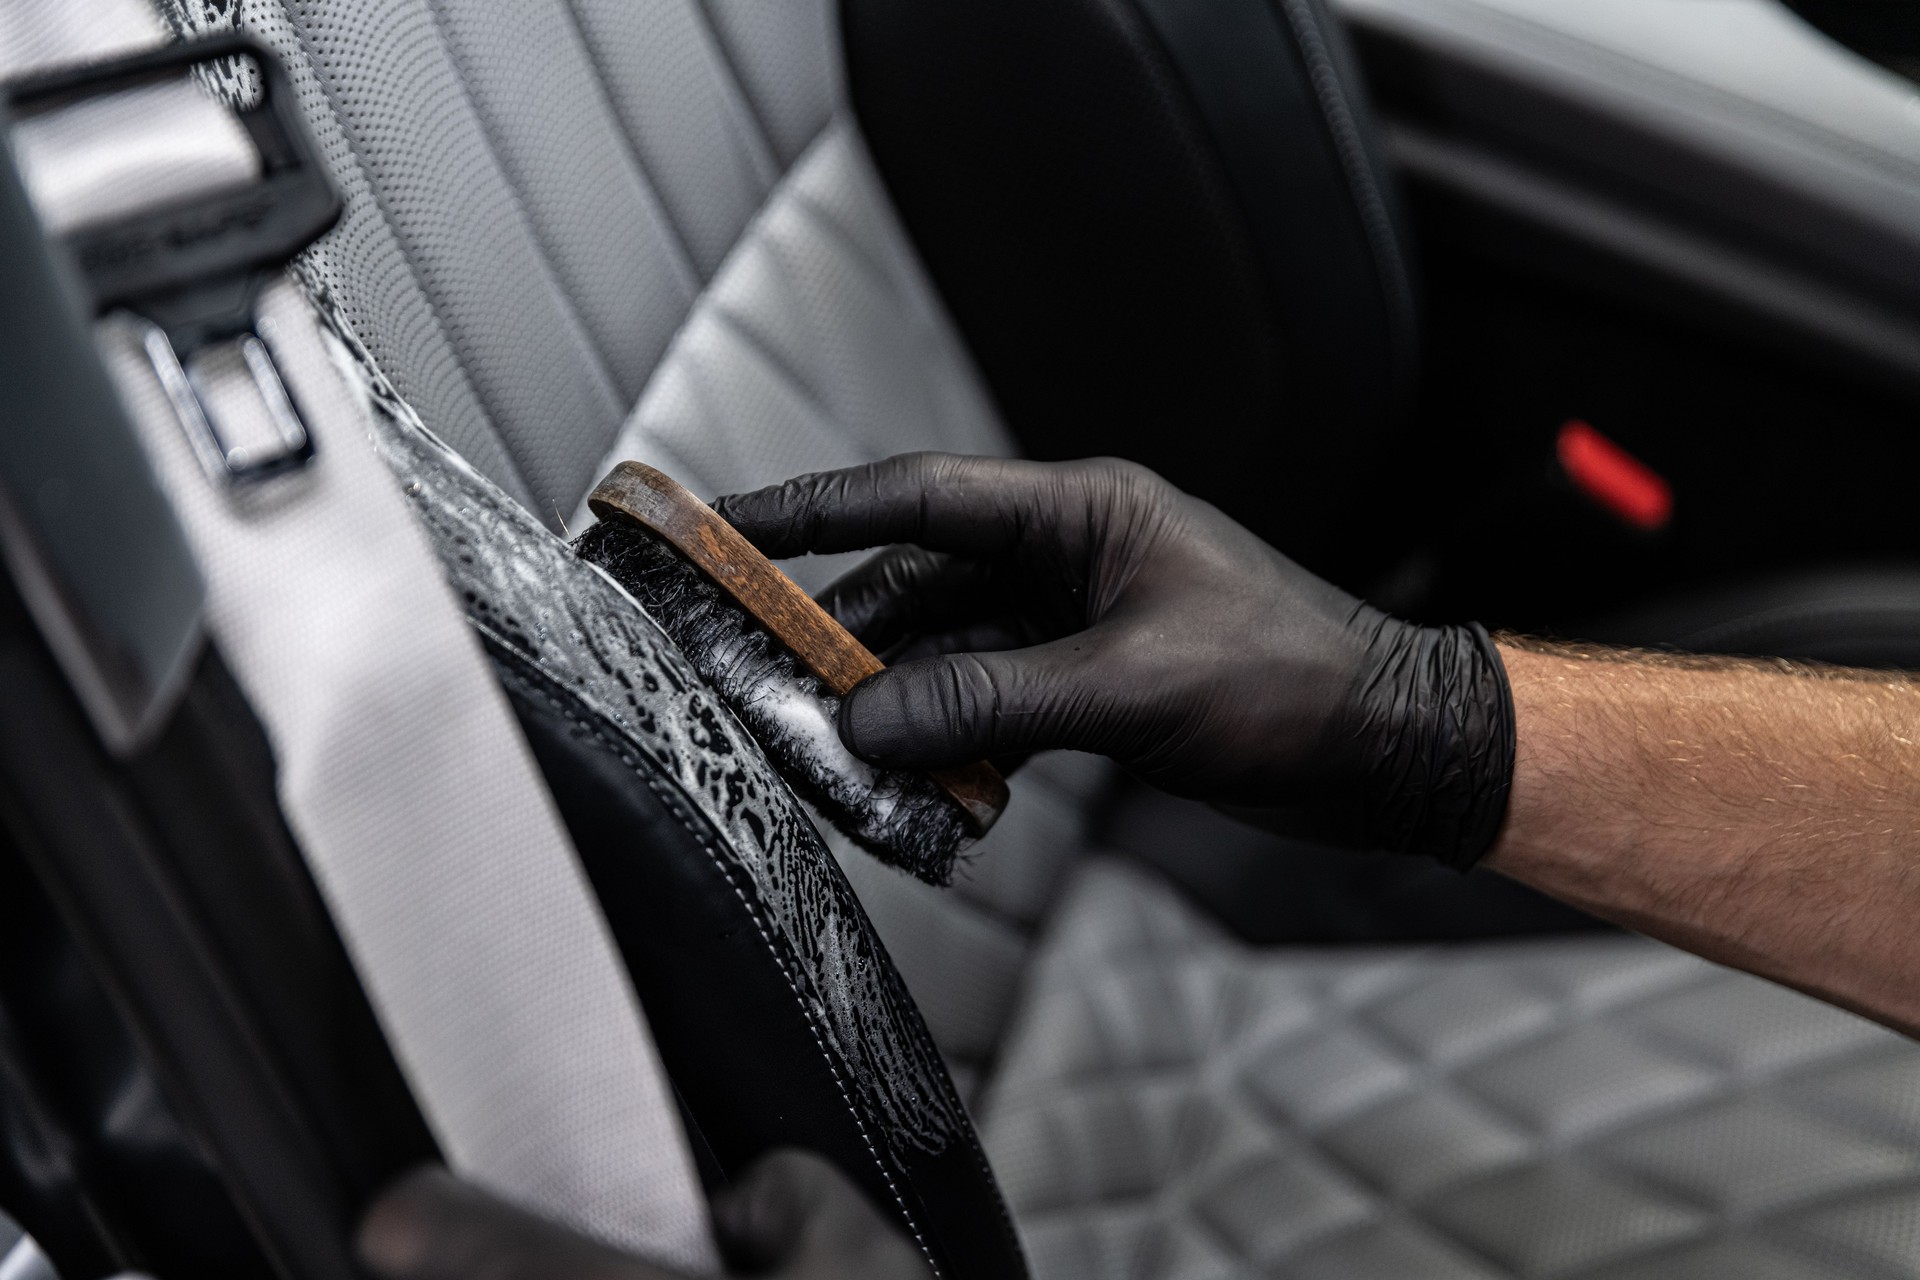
(404, 777)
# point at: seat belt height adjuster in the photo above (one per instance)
(193, 268)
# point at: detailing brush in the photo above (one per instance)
(782, 664)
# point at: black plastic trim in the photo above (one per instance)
(1162, 232)
(91, 542)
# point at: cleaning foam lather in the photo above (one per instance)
(782, 664)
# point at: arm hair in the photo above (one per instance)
(1762, 813)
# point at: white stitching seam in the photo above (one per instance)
(672, 804)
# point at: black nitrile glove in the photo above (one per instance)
(792, 1217)
(1093, 606)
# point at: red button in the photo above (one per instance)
(1614, 478)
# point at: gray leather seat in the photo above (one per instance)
(585, 230)
(1173, 1103)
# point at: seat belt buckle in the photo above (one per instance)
(194, 267)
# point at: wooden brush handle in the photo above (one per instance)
(661, 504)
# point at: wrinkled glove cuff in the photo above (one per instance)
(1439, 714)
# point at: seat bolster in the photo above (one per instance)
(778, 1015)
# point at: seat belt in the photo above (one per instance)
(401, 770)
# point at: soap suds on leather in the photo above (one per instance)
(528, 594)
(901, 817)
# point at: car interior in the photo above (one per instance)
(1585, 319)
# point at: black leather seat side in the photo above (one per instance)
(1163, 230)
(734, 1031)
(774, 1006)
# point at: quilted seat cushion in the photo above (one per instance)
(1174, 1104)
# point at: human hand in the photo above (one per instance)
(1092, 606)
(793, 1216)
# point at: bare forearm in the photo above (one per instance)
(1758, 814)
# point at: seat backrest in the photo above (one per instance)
(581, 231)
(606, 229)
(1167, 233)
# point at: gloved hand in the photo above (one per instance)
(1092, 606)
(792, 1217)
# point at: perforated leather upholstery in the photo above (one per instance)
(554, 208)
(1172, 1104)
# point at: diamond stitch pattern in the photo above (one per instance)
(1172, 1104)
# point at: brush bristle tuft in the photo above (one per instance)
(903, 818)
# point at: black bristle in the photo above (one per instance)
(902, 818)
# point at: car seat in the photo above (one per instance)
(576, 233)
